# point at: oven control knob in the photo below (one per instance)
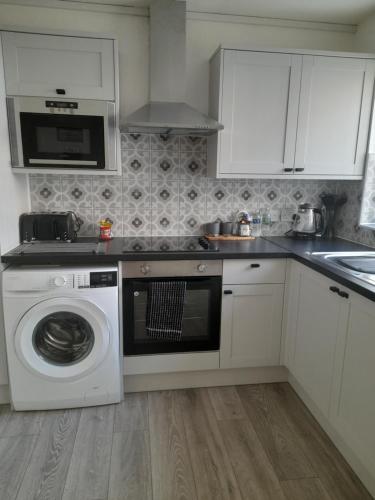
(202, 268)
(59, 281)
(145, 269)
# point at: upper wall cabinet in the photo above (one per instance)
(50, 66)
(334, 115)
(289, 114)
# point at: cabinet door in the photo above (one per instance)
(353, 395)
(334, 115)
(317, 324)
(259, 112)
(37, 65)
(251, 325)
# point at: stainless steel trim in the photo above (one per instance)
(12, 129)
(110, 138)
(61, 162)
(89, 107)
(171, 268)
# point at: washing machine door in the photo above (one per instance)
(63, 338)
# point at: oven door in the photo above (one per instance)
(201, 318)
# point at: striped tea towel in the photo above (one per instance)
(165, 309)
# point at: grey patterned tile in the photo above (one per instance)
(271, 191)
(116, 217)
(219, 195)
(164, 195)
(190, 223)
(45, 192)
(77, 192)
(164, 223)
(165, 142)
(139, 142)
(107, 193)
(136, 195)
(89, 226)
(246, 194)
(193, 143)
(192, 195)
(136, 222)
(135, 164)
(165, 165)
(223, 215)
(192, 165)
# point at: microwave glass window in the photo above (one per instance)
(63, 140)
(58, 138)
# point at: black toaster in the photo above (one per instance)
(42, 226)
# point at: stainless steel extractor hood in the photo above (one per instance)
(167, 113)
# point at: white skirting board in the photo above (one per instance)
(207, 378)
(359, 467)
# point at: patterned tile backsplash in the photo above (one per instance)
(164, 190)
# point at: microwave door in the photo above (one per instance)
(73, 141)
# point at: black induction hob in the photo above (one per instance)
(177, 244)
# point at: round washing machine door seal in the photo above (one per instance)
(62, 338)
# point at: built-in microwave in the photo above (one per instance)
(62, 133)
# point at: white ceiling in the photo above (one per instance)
(336, 11)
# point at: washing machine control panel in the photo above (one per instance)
(99, 279)
(61, 281)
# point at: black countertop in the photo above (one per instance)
(113, 251)
(270, 247)
(300, 250)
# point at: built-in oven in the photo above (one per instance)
(200, 308)
(62, 133)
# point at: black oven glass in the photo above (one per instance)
(62, 137)
(201, 319)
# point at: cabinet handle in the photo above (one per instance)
(228, 292)
(343, 294)
(334, 289)
(288, 170)
(299, 169)
(60, 91)
(254, 265)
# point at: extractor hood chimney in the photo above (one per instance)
(167, 113)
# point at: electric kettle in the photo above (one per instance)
(308, 221)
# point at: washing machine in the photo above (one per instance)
(62, 336)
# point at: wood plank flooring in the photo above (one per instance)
(255, 442)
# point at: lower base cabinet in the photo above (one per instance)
(251, 325)
(353, 391)
(313, 332)
(330, 351)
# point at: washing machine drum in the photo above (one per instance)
(62, 338)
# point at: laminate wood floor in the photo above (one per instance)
(253, 442)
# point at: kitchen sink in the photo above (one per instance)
(360, 265)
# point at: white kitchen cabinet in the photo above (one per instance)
(353, 393)
(313, 332)
(251, 315)
(330, 350)
(251, 325)
(260, 93)
(289, 114)
(252, 271)
(40, 65)
(334, 115)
